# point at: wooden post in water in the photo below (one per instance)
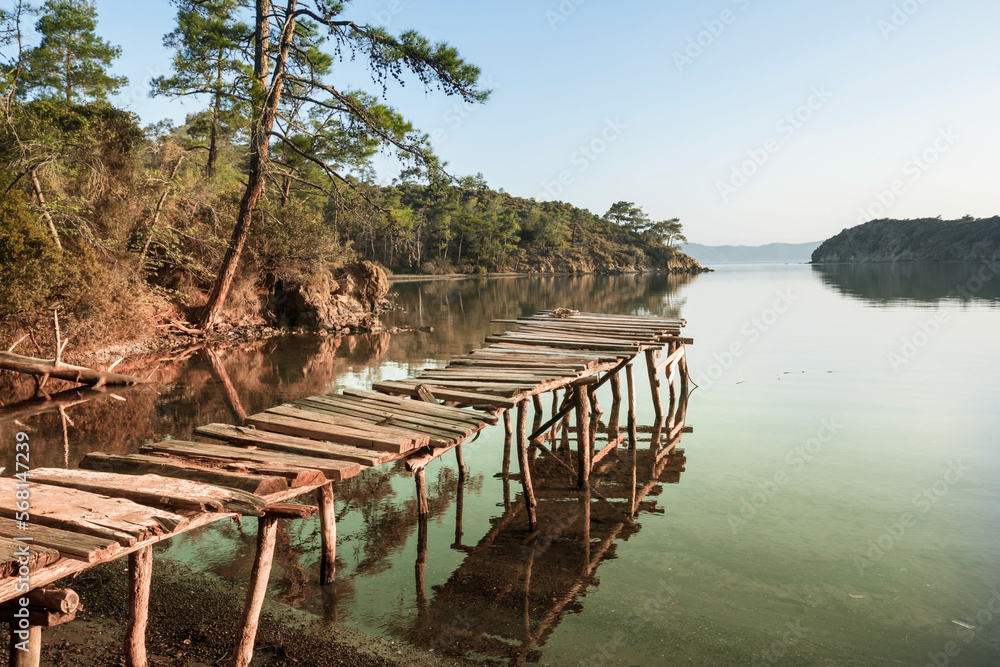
(459, 507)
(328, 535)
(630, 381)
(508, 436)
(682, 368)
(654, 383)
(140, 577)
(669, 372)
(461, 464)
(422, 507)
(267, 533)
(522, 460)
(616, 390)
(583, 445)
(421, 564)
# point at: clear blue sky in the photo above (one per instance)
(873, 83)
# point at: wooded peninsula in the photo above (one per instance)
(270, 188)
(924, 240)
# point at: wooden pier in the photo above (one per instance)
(121, 505)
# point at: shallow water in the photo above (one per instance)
(837, 503)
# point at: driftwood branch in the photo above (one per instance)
(52, 368)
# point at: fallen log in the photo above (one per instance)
(51, 368)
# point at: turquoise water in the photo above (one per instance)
(838, 502)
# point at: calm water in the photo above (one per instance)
(837, 503)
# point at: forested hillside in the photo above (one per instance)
(922, 240)
(124, 227)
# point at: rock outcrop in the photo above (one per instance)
(351, 298)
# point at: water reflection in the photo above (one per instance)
(531, 579)
(923, 283)
(514, 586)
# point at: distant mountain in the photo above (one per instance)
(747, 254)
(923, 240)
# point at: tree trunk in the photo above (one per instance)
(265, 104)
(45, 211)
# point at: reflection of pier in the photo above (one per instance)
(510, 592)
(293, 449)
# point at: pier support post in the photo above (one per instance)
(584, 447)
(328, 535)
(654, 383)
(522, 460)
(630, 381)
(461, 464)
(267, 533)
(33, 656)
(616, 390)
(422, 508)
(682, 368)
(140, 578)
(508, 436)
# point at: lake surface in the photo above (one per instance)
(838, 502)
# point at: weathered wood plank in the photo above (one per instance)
(155, 490)
(310, 428)
(12, 550)
(118, 519)
(419, 407)
(289, 443)
(333, 468)
(465, 397)
(139, 464)
(70, 544)
(375, 410)
(437, 434)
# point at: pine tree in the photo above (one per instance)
(208, 61)
(72, 61)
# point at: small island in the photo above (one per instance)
(919, 240)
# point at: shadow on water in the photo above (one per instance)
(885, 284)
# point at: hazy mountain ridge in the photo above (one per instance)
(919, 240)
(739, 254)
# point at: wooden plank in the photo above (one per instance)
(474, 386)
(448, 394)
(310, 413)
(369, 438)
(333, 468)
(290, 511)
(545, 352)
(424, 394)
(118, 519)
(459, 414)
(70, 544)
(12, 555)
(139, 464)
(279, 442)
(65, 567)
(671, 358)
(378, 410)
(407, 422)
(155, 490)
